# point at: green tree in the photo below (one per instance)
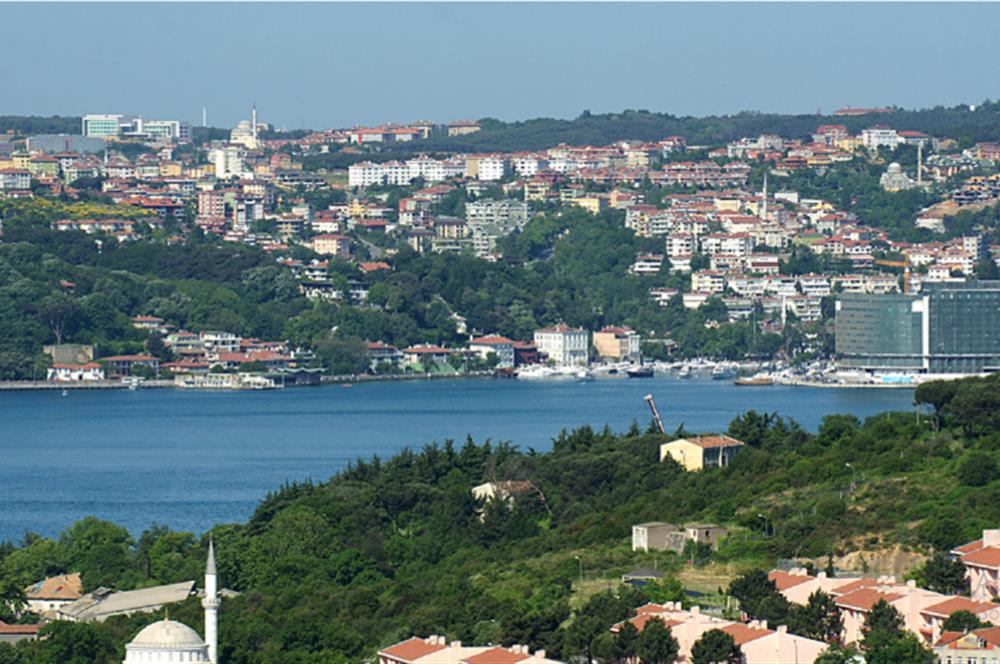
(962, 621)
(667, 589)
(656, 645)
(943, 574)
(628, 640)
(838, 654)
(758, 595)
(98, 549)
(607, 649)
(715, 647)
(977, 469)
(885, 641)
(937, 394)
(818, 619)
(63, 642)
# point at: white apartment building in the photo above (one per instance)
(396, 173)
(528, 165)
(493, 167)
(879, 136)
(507, 213)
(681, 244)
(12, 180)
(365, 174)
(734, 244)
(565, 346)
(708, 281)
(228, 161)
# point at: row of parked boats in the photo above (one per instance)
(740, 374)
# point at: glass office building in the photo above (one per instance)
(947, 328)
(879, 332)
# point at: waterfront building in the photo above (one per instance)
(949, 328)
(502, 347)
(618, 344)
(75, 372)
(564, 345)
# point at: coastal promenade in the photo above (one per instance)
(25, 385)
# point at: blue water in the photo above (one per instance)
(194, 459)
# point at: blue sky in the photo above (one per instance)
(334, 65)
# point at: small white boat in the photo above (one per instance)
(722, 372)
(684, 372)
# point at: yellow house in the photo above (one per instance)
(170, 169)
(702, 451)
(356, 208)
(21, 159)
(850, 144)
(592, 204)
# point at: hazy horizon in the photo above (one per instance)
(337, 65)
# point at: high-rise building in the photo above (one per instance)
(948, 328)
(102, 126)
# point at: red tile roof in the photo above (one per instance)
(496, 656)
(968, 548)
(412, 649)
(19, 629)
(986, 557)
(991, 635)
(708, 442)
(64, 586)
(857, 584)
(784, 580)
(492, 341)
(953, 604)
(865, 599)
(650, 608)
(744, 633)
(639, 622)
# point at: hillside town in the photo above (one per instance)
(722, 222)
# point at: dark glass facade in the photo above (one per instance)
(887, 332)
(965, 329)
(879, 332)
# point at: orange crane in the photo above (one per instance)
(905, 264)
(656, 413)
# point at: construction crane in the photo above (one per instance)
(656, 413)
(905, 264)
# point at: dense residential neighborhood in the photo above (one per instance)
(739, 233)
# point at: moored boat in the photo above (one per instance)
(754, 381)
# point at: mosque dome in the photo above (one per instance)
(894, 167)
(166, 642)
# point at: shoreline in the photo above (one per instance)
(349, 379)
(45, 385)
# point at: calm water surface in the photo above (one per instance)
(194, 459)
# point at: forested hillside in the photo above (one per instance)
(387, 548)
(63, 282)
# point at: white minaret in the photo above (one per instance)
(253, 122)
(763, 207)
(920, 163)
(211, 604)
